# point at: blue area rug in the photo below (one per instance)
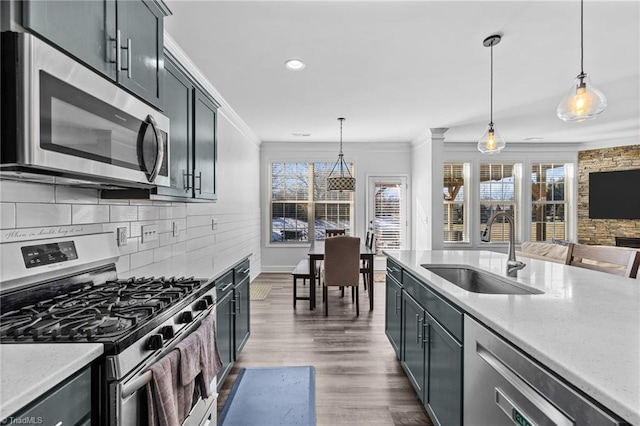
(270, 396)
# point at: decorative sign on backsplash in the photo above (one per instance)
(23, 234)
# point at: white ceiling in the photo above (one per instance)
(395, 69)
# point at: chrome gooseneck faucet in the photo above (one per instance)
(513, 265)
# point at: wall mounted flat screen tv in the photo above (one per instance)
(614, 195)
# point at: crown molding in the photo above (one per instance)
(225, 109)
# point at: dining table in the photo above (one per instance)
(316, 253)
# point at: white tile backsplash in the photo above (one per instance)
(26, 192)
(179, 211)
(196, 221)
(71, 195)
(122, 265)
(149, 212)
(87, 213)
(141, 258)
(36, 214)
(123, 213)
(7, 215)
(162, 253)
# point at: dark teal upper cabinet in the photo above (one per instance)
(140, 34)
(85, 29)
(121, 39)
(179, 89)
(204, 142)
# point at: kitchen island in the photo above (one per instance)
(585, 327)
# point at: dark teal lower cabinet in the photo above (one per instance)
(243, 313)
(233, 314)
(393, 313)
(443, 386)
(224, 329)
(428, 339)
(412, 342)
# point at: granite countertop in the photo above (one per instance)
(27, 371)
(202, 263)
(585, 327)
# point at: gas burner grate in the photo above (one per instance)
(94, 311)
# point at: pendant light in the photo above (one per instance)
(341, 182)
(583, 102)
(491, 141)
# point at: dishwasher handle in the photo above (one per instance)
(524, 389)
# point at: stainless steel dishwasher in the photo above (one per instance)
(502, 386)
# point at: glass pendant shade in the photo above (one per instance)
(491, 142)
(583, 102)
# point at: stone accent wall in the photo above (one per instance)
(604, 231)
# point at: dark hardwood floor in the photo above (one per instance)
(359, 381)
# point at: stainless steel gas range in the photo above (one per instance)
(66, 290)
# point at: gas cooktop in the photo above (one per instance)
(88, 311)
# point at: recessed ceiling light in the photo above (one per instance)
(301, 135)
(533, 138)
(294, 64)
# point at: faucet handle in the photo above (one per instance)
(513, 266)
(484, 235)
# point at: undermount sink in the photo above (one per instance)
(478, 281)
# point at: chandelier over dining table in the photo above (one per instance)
(339, 181)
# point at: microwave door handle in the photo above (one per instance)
(159, 149)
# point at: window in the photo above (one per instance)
(455, 202)
(498, 193)
(298, 193)
(548, 209)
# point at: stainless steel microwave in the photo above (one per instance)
(64, 123)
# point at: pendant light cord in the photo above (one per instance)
(581, 37)
(491, 120)
(341, 120)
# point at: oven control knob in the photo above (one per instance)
(155, 342)
(201, 305)
(187, 317)
(209, 299)
(167, 332)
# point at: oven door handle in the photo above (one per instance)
(134, 385)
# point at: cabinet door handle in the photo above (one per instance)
(396, 301)
(185, 180)
(199, 188)
(118, 51)
(426, 332)
(239, 302)
(418, 328)
(119, 54)
(129, 55)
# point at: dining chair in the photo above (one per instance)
(332, 232)
(364, 269)
(341, 267)
(614, 260)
